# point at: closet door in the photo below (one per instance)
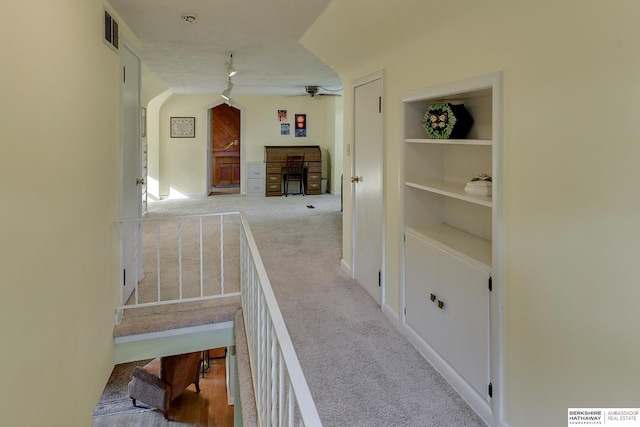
(367, 188)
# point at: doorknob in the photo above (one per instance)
(356, 178)
(140, 181)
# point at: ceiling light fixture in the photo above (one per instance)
(188, 18)
(226, 94)
(230, 70)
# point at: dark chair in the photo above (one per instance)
(160, 381)
(294, 172)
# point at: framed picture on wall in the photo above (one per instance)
(301, 125)
(183, 127)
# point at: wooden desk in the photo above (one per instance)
(275, 156)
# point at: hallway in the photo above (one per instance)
(360, 369)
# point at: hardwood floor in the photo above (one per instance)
(207, 409)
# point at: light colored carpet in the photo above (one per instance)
(361, 371)
(115, 397)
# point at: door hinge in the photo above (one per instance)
(124, 74)
(379, 104)
(124, 277)
(490, 284)
(490, 390)
(379, 278)
(405, 311)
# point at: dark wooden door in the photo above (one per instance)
(227, 170)
(226, 145)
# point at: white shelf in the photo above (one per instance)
(473, 249)
(452, 189)
(487, 142)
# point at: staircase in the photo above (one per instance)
(272, 387)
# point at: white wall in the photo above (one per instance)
(59, 178)
(183, 161)
(571, 97)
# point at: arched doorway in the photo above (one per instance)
(225, 150)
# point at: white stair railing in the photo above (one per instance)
(282, 395)
(147, 239)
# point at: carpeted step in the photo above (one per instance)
(174, 316)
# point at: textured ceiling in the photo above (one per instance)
(262, 34)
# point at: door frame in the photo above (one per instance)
(378, 75)
(209, 145)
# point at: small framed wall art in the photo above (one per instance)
(301, 125)
(183, 127)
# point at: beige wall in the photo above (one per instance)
(571, 150)
(59, 175)
(154, 93)
(183, 161)
(335, 131)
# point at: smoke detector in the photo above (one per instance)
(188, 18)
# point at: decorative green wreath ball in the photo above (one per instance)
(444, 121)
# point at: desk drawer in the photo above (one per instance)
(314, 167)
(314, 177)
(314, 187)
(271, 178)
(274, 189)
(274, 165)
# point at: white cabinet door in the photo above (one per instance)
(456, 323)
(421, 280)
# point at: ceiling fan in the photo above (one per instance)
(314, 91)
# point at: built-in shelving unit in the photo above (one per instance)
(436, 171)
(450, 236)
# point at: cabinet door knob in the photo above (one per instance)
(440, 304)
(433, 298)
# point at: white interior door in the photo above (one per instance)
(131, 194)
(367, 187)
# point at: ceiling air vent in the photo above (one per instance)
(110, 31)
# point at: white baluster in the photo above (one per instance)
(201, 263)
(180, 254)
(222, 254)
(158, 255)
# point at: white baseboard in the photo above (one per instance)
(468, 393)
(346, 268)
(391, 315)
